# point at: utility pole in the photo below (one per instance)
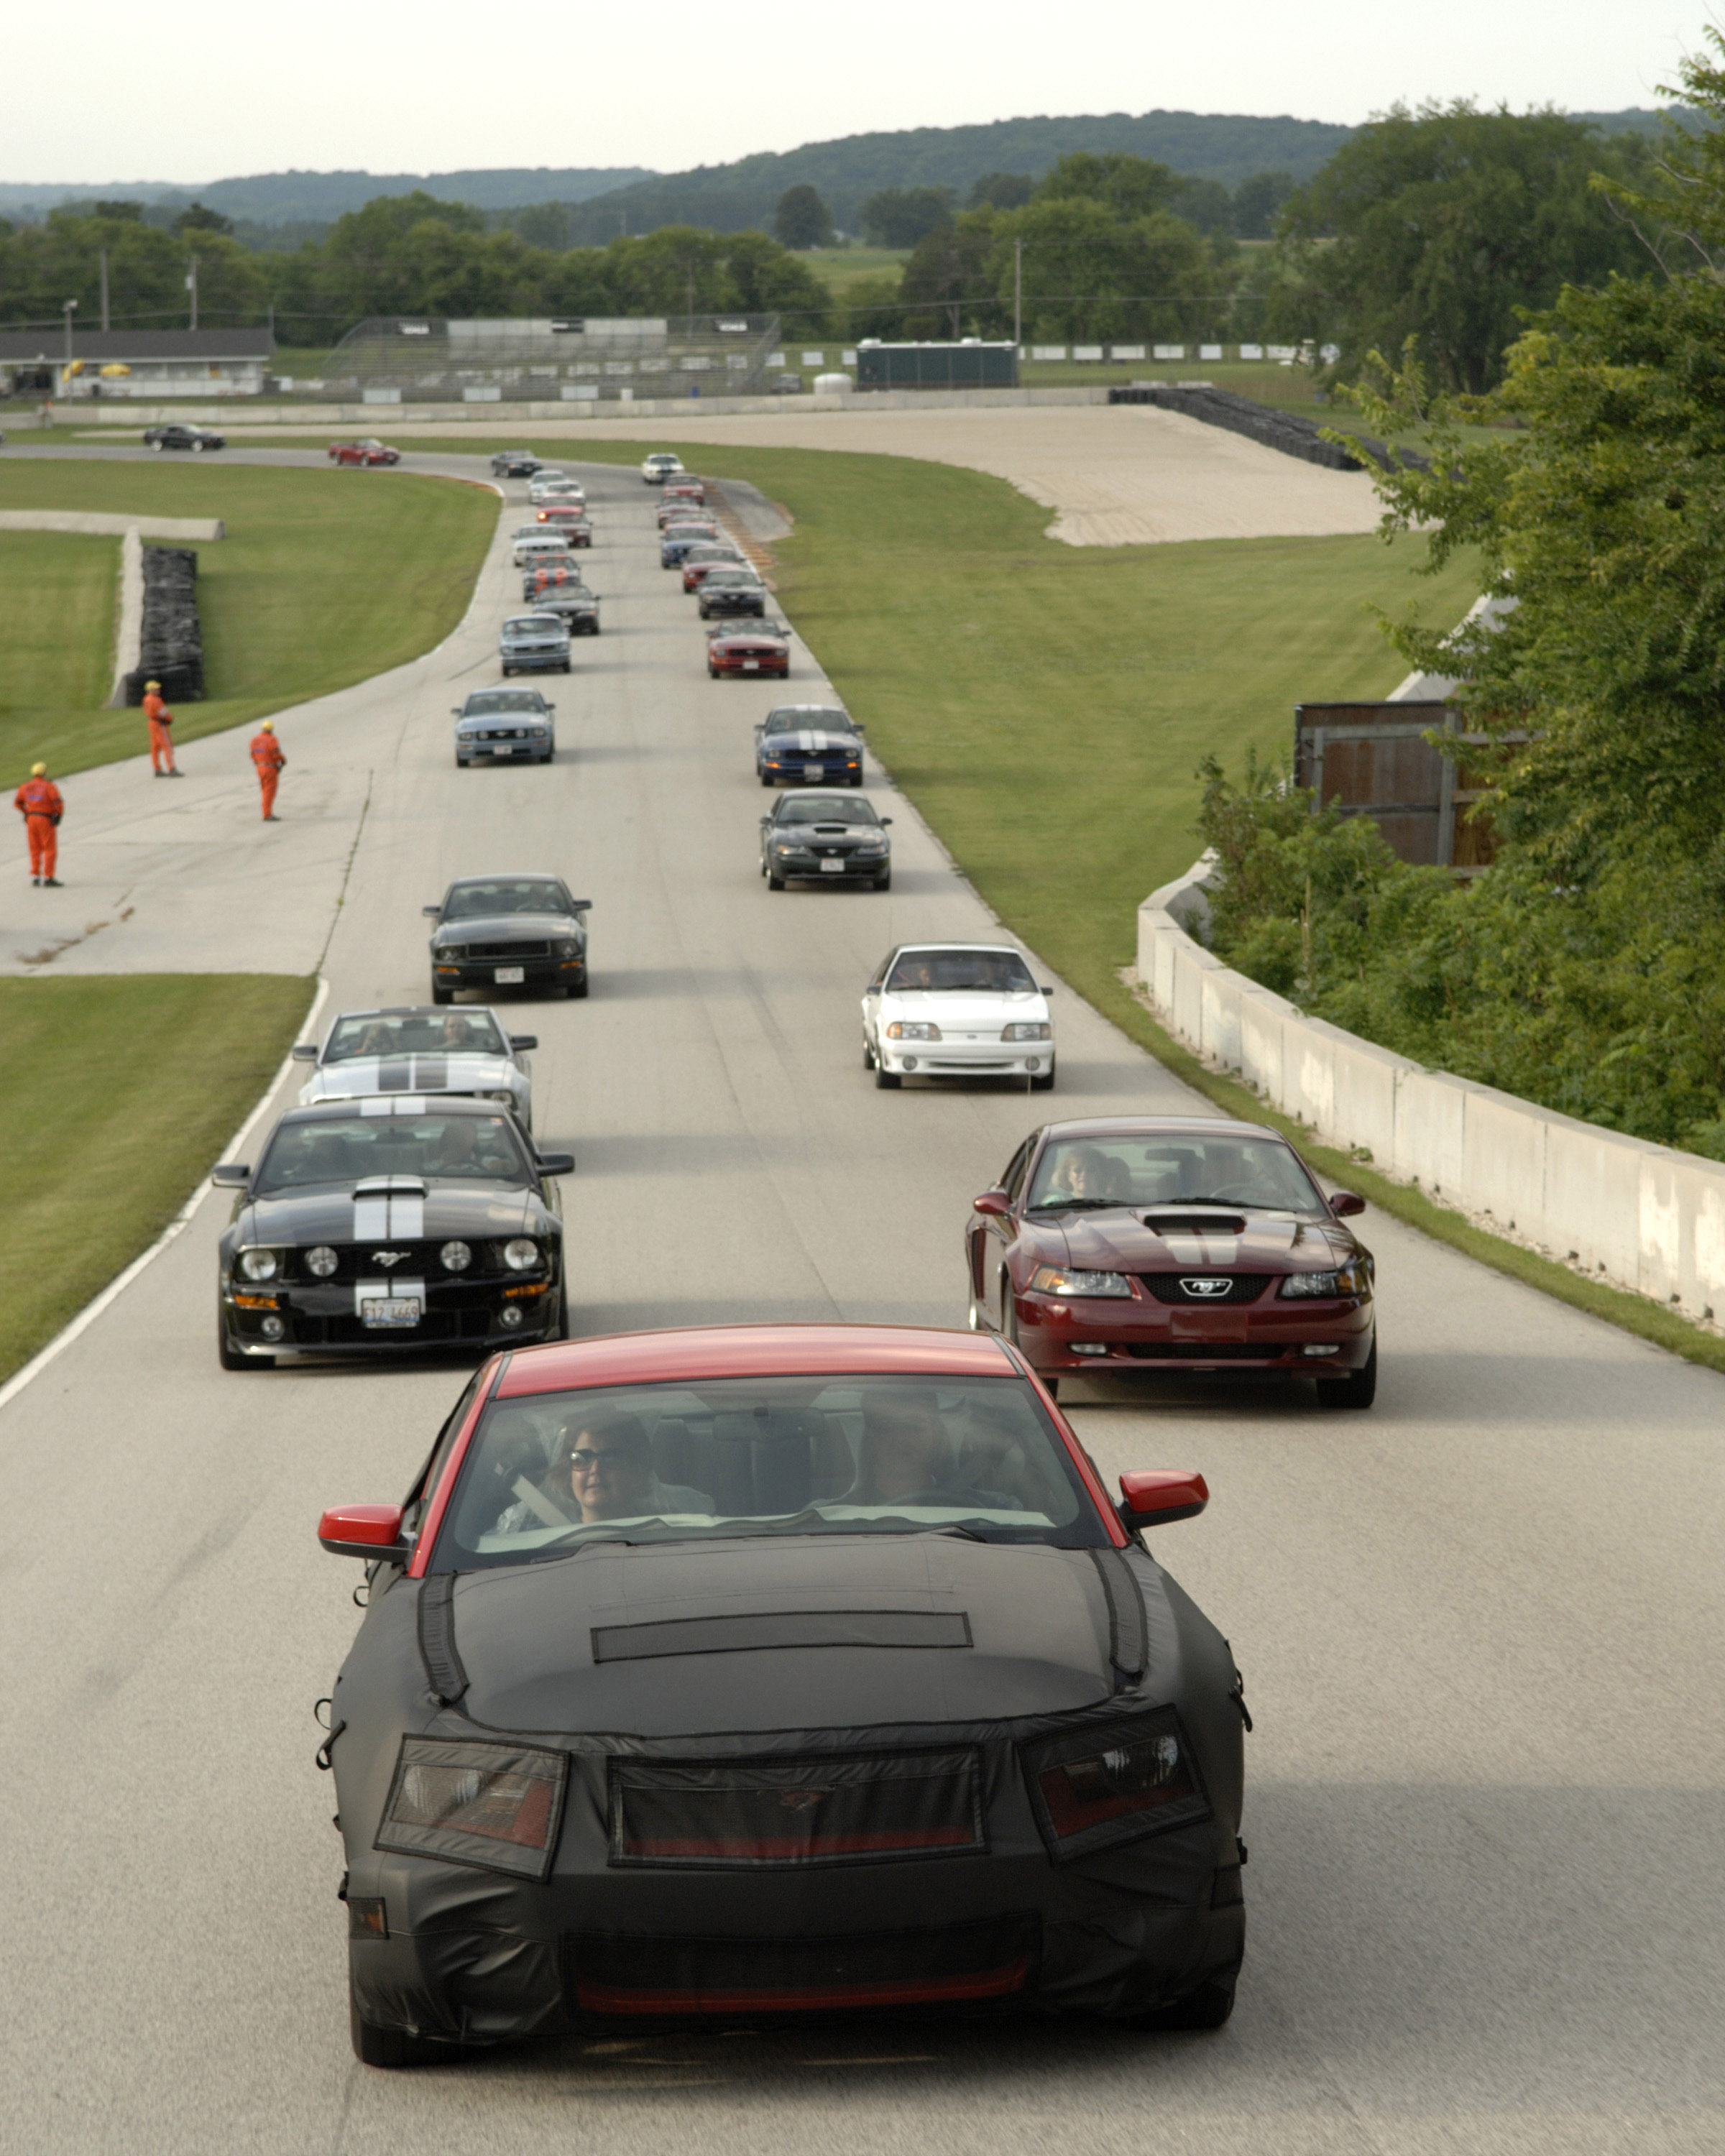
(104, 292)
(1017, 292)
(67, 308)
(192, 287)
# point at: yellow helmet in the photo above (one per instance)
(39, 771)
(268, 727)
(152, 685)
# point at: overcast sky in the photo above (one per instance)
(205, 90)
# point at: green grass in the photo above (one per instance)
(839, 268)
(59, 594)
(325, 577)
(96, 1165)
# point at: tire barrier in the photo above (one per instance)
(1285, 431)
(172, 650)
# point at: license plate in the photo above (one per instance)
(815, 770)
(390, 1310)
(510, 977)
(498, 749)
(832, 868)
(751, 666)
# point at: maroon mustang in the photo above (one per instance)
(1182, 1244)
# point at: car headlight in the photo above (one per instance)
(1027, 1030)
(569, 947)
(1060, 1280)
(521, 1254)
(1354, 1278)
(1093, 1788)
(911, 1029)
(259, 1264)
(456, 1257)
(870, 847)
(496, 1805)
(321, 1261)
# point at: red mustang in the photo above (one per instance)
(570, 522)
(762, 1671)
(370, 451)
(686, 490)
(758, 647)
(1159, 1243)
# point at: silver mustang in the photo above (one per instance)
(411, 1049)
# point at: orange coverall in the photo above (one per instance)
(266, 754)
(38, 801)
(161, 741)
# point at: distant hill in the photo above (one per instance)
(320, 197)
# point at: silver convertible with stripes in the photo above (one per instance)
(394, 1223)
(412, 1049)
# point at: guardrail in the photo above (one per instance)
(1640, 1215)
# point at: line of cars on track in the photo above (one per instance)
(740, 1674)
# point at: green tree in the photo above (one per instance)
(1090, 272)
(1445, 223)
(1258, 202)
(195, 218)
(1000, 190)
(1129, 186)
(802, 219)
(948, 286)
(899, 217)
(119, 212)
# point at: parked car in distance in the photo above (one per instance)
(658, 467)
(369, 451)
(176, 434)
(536, 643)
(825, 838)
(957, 1010)
(763, 648)
(811, 743)
(727, 591)
(1185, 1243)
(508, 932)
(514, 464)
(505, 725)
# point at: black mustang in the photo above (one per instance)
(509, 931)
(396, 1223)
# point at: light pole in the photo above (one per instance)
(106, 323)
(1017, 292)
(192, 287)
(67, 308)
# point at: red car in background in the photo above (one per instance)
(370, 451)
(758, 647)
(570, 522)
(686, 490)
(1160, 1243)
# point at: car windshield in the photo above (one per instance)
(414, 1032)
(726, 580)
(986, 973)
(1260, 1173)
(825, 808)
(523, 624)
(474, 901)
(348, 1148)
(810, 720)
(485, 702)
(548, 1474)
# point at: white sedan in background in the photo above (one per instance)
(957, 1010)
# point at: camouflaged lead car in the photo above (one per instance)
(777, 1669)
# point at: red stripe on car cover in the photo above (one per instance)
(895, 1991)
(452, 1467)
(828, 1844)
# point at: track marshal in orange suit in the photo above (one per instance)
(266, 754)
(38, 801)
(162, 740)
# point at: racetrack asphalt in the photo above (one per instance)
(1481, 1625)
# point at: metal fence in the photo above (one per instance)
(417, 359)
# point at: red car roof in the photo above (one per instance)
(754, 1351)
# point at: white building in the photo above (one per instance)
(151, 364)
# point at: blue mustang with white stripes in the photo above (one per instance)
(813, 744)
(398, 1222)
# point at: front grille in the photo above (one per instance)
(751, 1814)
(1203, 1351)
(1242, 1288)
(993, 1959)
(511, 951)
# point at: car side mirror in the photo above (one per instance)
(581, 906)
(521, 1042)
(1343, 1203)
(455, 711)
(859, 730)
(886, 819)
(303, 1051)
(431, 913)
(992, 1205)
(556, 1163)
(1043, 988)
(366, 1531)
(231, 1175)
(1154, 1496)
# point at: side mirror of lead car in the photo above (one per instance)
(366, 1531)
(231, 1175)
(1155, 1496)
(303, 1051)
(992, 1205)
(1343, 1203)
(521, 1042)
(557, 1163)
(431, 913)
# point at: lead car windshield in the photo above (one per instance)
(479, 901)
(548, 1474)
(1260, 1173)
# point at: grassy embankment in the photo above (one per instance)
(1045, 707)
(325, 579)
(93, 1170)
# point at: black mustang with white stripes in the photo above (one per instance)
(398, 1222)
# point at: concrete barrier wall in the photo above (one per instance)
(1643, 1216)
